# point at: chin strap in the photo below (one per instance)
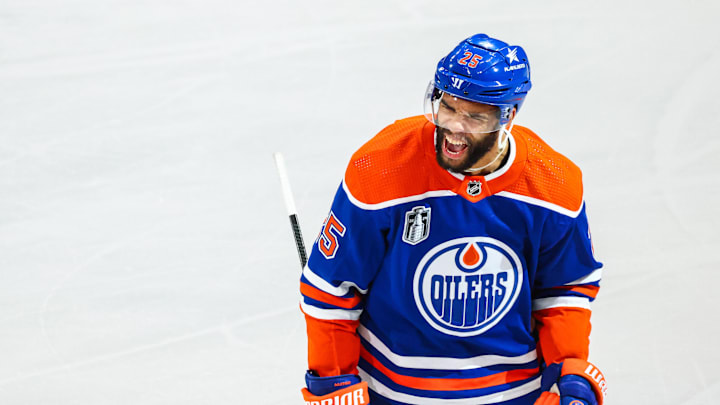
(502, 145)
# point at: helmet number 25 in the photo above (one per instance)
(473, 58)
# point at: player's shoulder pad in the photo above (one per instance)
(548, 177)
(390, 166)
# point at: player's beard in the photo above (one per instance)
(476, 150)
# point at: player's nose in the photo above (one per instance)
(455, 125)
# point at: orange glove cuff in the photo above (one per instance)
(589, 372)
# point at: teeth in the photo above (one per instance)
(454, 141)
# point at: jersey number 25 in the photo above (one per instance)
(328, 241)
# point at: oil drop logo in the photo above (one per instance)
(465, 286)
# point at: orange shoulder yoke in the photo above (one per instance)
(400, 162)
(393, 164)
(548, 176)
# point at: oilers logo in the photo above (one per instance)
(465, 286)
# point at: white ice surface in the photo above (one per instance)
(145, 253)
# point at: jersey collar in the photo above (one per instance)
(476, 188)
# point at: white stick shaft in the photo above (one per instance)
(290, 205)
(285, 183)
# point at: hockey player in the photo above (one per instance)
(455, 265)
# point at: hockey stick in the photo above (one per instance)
(290, 205)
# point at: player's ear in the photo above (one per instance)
(512, 114)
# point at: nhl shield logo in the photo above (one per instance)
(417, 225)
(474, 188)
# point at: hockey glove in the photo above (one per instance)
(572, 382)
(342, 389)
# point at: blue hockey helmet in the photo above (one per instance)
(482, 70)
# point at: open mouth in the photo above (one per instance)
(454, 146)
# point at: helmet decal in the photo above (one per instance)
(486, 70)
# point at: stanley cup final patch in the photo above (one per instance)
(417, 225)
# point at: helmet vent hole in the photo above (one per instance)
(495, 92)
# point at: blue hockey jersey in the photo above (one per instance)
(450, 289)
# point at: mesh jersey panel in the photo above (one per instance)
(391, 165)
(548, 175)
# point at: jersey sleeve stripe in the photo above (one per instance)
(323, 305)
(541, 203)
(593, 277)
(449, 384)
(442, 363)
(396, 201)
(554, 302)
(324, 286)
(330, 314)
(501, 396)
(591, 291)
(319, 295)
